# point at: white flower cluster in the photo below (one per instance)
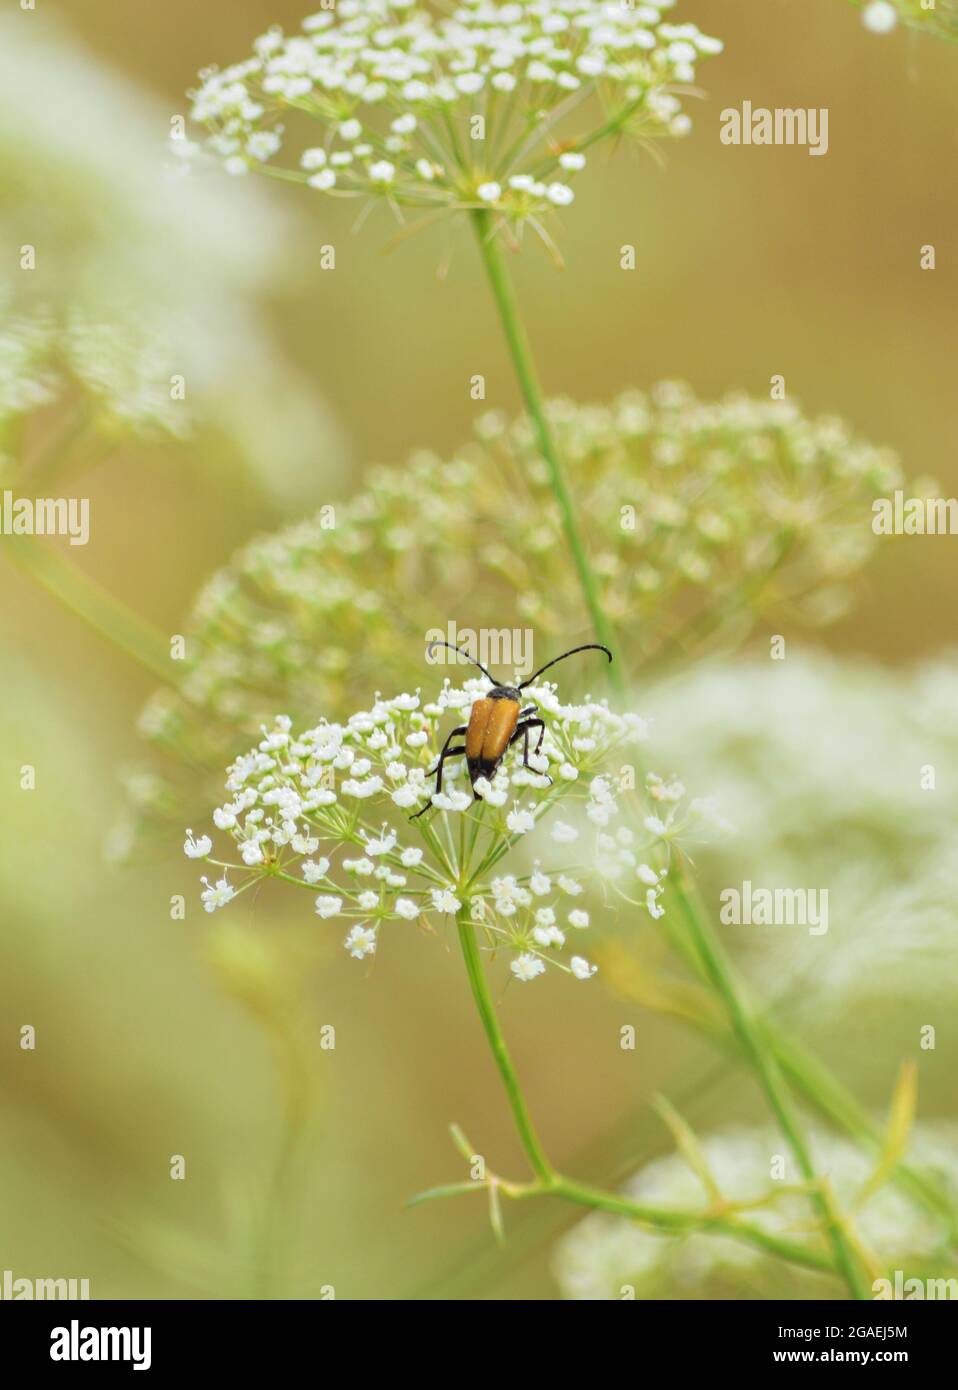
(123, 368)
(461, 110)
(330, 810)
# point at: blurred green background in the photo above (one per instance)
(750, 262)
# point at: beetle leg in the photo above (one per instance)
(522, 731)
(447, 752)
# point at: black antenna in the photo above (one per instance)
(589, 647)
(465, 654)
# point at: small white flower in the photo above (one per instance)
(540, 883)
(224, 818)
(470, 82)
(526, 966)
(452, 801)
(520, 822)
(581, 968)
(328, 906)
(382, 844)
(405, 124)
(364, 789)
(655, 908)
(572, 160)
(217, 895)
(361, 942)
(382, 171)
(444, 900)
(489, 192)
(578, 918)
(569, 885)
(405, 907)
(304, 844)
(563, 834)
(251, 852)
(411, 857)
(369, 900)
(407, 796)
(560, 194)
(313, 872)
(364, 867)
(197, 849)
(351, 130)
(324, 180)
(313, 159)
(647, 875)
(654, 825)
(880, 16)
(549, 936)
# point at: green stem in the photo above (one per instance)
(522, 361)
(480, 992)
(98, 608)
(766, 1067)
(683, 1222)
(829, 1096)
(552, 1183)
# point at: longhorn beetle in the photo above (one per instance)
(495, 723)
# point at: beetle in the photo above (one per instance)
(496, 721)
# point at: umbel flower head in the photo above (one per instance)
(483, 107)
(700, 517)
(331, 810)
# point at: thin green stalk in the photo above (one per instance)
(680, 1221)
(769, 1074)
(98, 608)
(480, 992)
(552, 1183)
(755, 1045)
(532, 395)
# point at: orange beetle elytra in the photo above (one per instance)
(496, 721)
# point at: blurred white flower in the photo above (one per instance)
(604, 1255)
